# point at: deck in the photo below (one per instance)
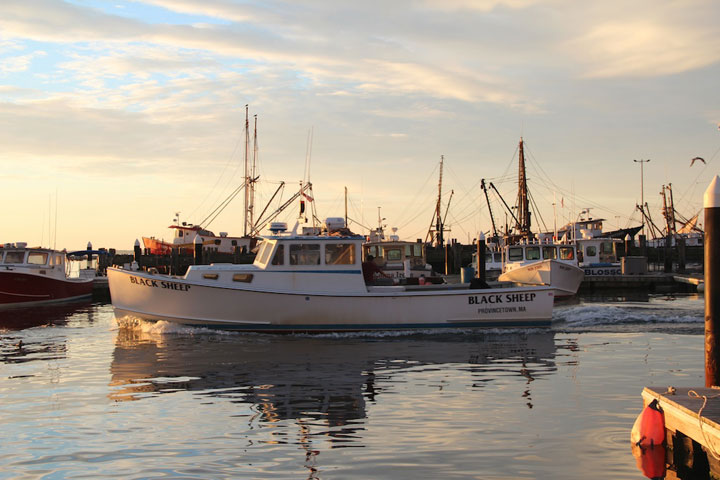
(693, 436)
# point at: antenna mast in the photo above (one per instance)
(247, 177)
(440, 241)
(251, 206)
(523, 217)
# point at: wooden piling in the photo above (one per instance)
(680, 243)
(711, 203)
(447, 259)
(481, 247)
(198, 250)
(628, 245)
(89, 255)
(137, 250)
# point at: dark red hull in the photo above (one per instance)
(18, 288)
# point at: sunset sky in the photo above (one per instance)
(115, 115)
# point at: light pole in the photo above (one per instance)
(642, 191)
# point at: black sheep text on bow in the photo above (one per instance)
(150, 282)
(500, 298)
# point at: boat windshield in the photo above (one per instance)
(37, 258)
(339, 254)
(567, 253)
(14, 257)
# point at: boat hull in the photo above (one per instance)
(563, 277)
(27, 289)
(157, 297)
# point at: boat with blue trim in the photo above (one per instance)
(315, 283)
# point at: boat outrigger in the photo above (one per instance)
(314, 283)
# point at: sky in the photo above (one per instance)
(116, 115)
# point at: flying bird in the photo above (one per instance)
(692, 162)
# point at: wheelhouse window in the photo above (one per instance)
(340, 254)
(549, 253)
(373, 250)
(417, 250)
(279, 257)
(607, 248)
(264, 251)
(532, 253)
(305, 254)
(590, 251)
(567, 253)
(57, 259)
(515, 254)
(37, 258)
(14, 257)
(393, 254)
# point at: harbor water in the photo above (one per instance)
(87, 396)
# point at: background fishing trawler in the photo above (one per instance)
(315, 283)
(33, 276)
(184, 236)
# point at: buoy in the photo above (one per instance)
(649, 427)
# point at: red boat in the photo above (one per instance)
(32, 276)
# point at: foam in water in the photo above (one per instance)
(163, 327)
(584, 315)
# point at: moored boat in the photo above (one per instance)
(544, 264)
(311, 283)
(184, 241)
(32, 276)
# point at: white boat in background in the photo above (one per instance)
(598, 256)
(550, 264)
(184, 241)
(35, 276)
(312, 283)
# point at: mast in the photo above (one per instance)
(440, 241)
(251, 205)
(492, 218)
(523, 217)
(672, 209)
(246, 181)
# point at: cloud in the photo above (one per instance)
(649, 40)
(18, 63)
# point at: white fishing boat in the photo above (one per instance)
(304, 283)
(35, 276)
(543, 264)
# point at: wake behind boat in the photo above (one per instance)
(314, 283)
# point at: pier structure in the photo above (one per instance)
(692, 414)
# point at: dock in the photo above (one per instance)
(692, 425)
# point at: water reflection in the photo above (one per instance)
(21, 318)
(17, 345)
(306, 378)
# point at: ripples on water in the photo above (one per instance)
(86, 396)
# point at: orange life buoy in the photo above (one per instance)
(649, 427)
